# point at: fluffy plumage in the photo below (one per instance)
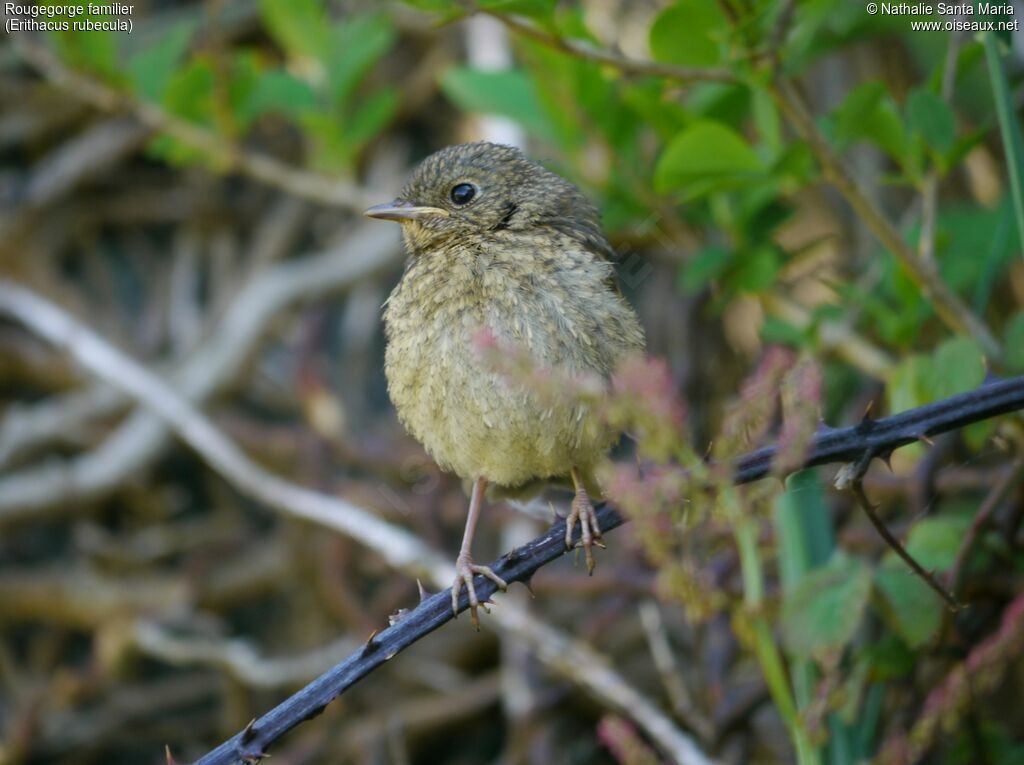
(526, 261)
(502, 247)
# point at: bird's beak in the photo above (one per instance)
(401, 210)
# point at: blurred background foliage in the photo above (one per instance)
(164, 185)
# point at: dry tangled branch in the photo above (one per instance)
(857, 444)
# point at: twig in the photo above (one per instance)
(262, 167)
(833, 336)
(668, 671)
(984, 669)
(237, 657)
(66, 418)
(86, 153)
(397, 547)
(365, 252)
(617, 60)
(930, 191)
(420, 715)
(402, 550)
(948, 305)
(872, 439)
(981, 519)
(870, 510)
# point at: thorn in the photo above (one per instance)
(423, 591)
(250, 731)
(513, 554)
(924, 437)
(370, 645)
(886, 457)
(866, 417)
(251, 758)
(528, 584)
(928, 577)
(167, 752)
(554, 513)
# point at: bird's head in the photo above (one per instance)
(482, 191)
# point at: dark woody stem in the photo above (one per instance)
(858, 444)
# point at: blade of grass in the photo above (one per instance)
(1013, 145)
(767, 652)
(806, 541)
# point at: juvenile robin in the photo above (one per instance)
(497, 244)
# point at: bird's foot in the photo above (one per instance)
(465, 570)
(590, 533)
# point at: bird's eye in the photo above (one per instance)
(463, 193)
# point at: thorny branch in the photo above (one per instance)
(871, 438)
(871, 511)
(859, 444)
(398, 547)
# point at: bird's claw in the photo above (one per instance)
(465, 570)
(590, 532)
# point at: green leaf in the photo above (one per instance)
(358, 45)
(509, 93)
(687, 33)
(728, 103)
(931, 116)
(704, 267)
(1009, 127)
(538, 10)
(1013, 342)
(371, 117)
(92, 51)
(869, 113)
(277, 91)
(755, 270)
(706, 151)
(766, 117)
(956, 366)
(151, 68)
(889, 658)
(190, 95)
(654, 108)
(903, 388)
(906, 603)
(935, 542)
(433, 6)
(300, 27)
(824, 609)
(806, 538)
(776, 331)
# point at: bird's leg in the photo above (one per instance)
(464, 566)
(583, 511)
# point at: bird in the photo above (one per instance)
(498, 244)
